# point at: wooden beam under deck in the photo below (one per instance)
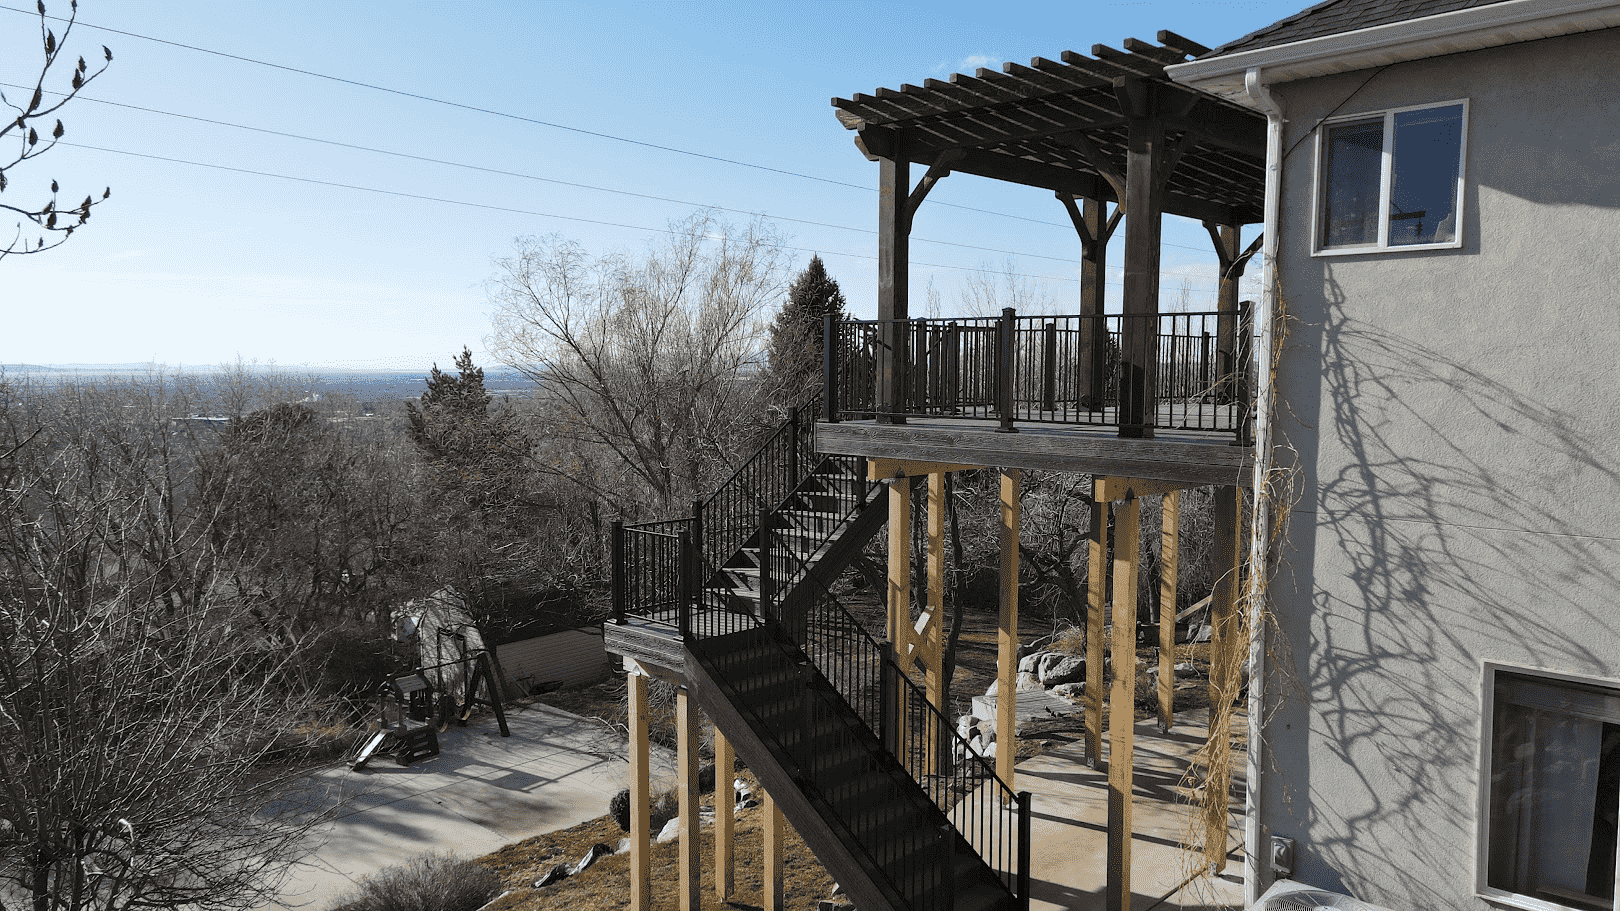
(1188, 458)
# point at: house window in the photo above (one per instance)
(1552, 790)
(1392, 180)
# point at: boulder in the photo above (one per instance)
(555, 874)
(1064, 669)
(1072, 691)
(1031, 663)
(596, 851)
(670, 832)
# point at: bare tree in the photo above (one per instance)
(132, 719)
(23, 130)
(645, 364)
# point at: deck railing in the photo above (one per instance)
(1045, 369)
(662, 571)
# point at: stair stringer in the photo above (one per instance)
(855, 873)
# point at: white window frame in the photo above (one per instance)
(1386, 175)
(1483, 798)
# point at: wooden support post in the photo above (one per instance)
(1096, 618)
(894, 254)
(1007, 634)
(899, 625)
(774, 897)
(640, 798)
(1122, 707)
(932, 634)
(725, 818)
(1223, 648)
(1169, 563)
(1145, 173)
(1095, 227)
(688, 760)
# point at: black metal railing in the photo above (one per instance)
(1080, 370)
(771, 519)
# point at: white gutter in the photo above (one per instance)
(1256, 846)
(1447, 33)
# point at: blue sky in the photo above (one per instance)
(191, 266)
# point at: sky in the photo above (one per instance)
(301, 242)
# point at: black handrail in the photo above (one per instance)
(666, 572)
(1069, 369)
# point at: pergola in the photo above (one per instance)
(1112, 137)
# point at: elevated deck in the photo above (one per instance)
(1193, 457)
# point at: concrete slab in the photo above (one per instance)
(1069, 832)
(481, 792)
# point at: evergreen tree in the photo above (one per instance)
(796, 335)
(475, 449)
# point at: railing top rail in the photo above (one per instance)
(1039, 318)
(655, 528)
(747, 463)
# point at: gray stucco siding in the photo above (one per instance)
(1456, 419)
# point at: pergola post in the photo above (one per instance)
(1233, 261)
(1223, 649)
(894, 261)
(1169, 565)
(931, 641)
(1145, 173)
(1122, 706)
(640, 797)
(1095, 227)
(1096, 619)
(687, 760)
(725, 818)
(1007, 635)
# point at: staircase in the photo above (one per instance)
(875, 780)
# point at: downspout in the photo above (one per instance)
(1257, 849)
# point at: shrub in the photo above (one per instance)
(429, 882)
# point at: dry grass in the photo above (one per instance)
(606, 884)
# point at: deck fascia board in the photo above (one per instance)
(1191, 458)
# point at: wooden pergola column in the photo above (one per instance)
(1096, 227)
(1096, 620)
(640, 797)
(725, 819)
(1169, 565)
(1007, 632)
(1224, 643)
(1233, 261)
(897, 208)
(688, 760)
(775, 889)
(899, 598)
(894, 267)
(1122, 706)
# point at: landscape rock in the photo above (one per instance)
(1071, 691)
(555, 874)
(624, 845)
(670, 832)
(596, 851)
(1064, 669)
(1188, 669)
(1031, 664)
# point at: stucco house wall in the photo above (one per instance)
(1456, 419)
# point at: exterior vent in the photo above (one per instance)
(1286, 895)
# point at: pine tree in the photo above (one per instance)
(475, 449)
(796, 335)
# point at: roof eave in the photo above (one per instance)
(1431, 36)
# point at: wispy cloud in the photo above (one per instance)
(967, 64)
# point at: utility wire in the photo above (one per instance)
(519, 117)
(493, 208)
(536, 177)
(516, 211)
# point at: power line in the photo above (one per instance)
(521, 118)
(535, 177)
(509, 209)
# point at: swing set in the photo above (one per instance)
(412, 710)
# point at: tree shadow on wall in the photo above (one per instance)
(1455, 506)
